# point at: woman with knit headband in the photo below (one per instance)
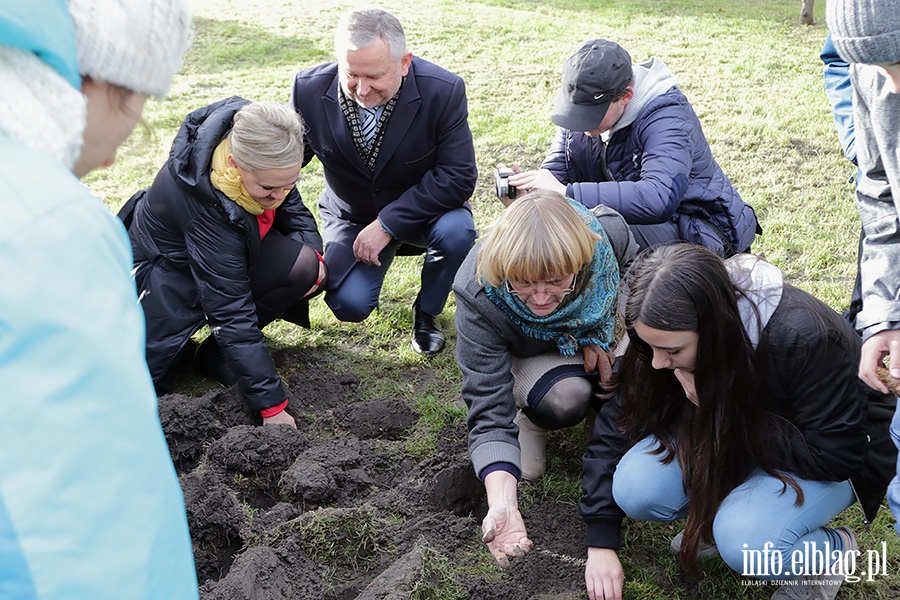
(90, 505)
(222, 238)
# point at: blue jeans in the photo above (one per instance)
(447, 243)
(755, 513)
(893, 491)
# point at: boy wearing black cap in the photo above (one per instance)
(866, 33)
(629, 139)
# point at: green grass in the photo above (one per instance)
(347, 538)
(753, 76)
(434, 579)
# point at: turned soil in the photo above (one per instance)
(335, 509)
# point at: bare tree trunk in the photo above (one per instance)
(806, 12)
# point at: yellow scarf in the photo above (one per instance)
(228, 180)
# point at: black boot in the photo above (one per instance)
(297, 313)
(427, 338)
(210, 361)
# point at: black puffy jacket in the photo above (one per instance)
(193, 249)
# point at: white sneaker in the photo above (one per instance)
(705, 550)
(819, 587)
(533, 441)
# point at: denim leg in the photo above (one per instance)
(646, 489)
(893, 491)
(758, 512)
(448, 242)
(358, 294)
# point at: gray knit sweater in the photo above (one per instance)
(877, 122)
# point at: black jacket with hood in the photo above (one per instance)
(193, 249)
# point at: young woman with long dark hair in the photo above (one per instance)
(739, 408)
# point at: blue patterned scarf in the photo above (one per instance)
(587, 315)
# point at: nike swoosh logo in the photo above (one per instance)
(598, 96)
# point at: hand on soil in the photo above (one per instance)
(603, 574)
(281, 418)
(504, 532)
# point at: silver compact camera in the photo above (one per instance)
(501, 184)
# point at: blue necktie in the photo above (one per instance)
(368, 120)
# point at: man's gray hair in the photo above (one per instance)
(362, 26)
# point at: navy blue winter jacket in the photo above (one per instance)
(660, 168)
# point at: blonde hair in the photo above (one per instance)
(539, 237)
(267, 135)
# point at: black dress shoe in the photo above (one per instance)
(427, 338)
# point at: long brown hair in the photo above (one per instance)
(684, 287)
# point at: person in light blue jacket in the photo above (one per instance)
(90, 505)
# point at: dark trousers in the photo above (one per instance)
(283, 270)
(446, 245)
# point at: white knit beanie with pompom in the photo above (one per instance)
(134, 44)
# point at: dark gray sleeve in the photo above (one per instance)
(619, 234)
(484, 358)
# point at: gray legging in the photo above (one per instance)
(552, 390)
(564, 404)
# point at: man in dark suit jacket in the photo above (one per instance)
(392, 134)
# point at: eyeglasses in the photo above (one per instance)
(552, 288)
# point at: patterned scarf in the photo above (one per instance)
(228, 180)
(587, 315)
(368, 153)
